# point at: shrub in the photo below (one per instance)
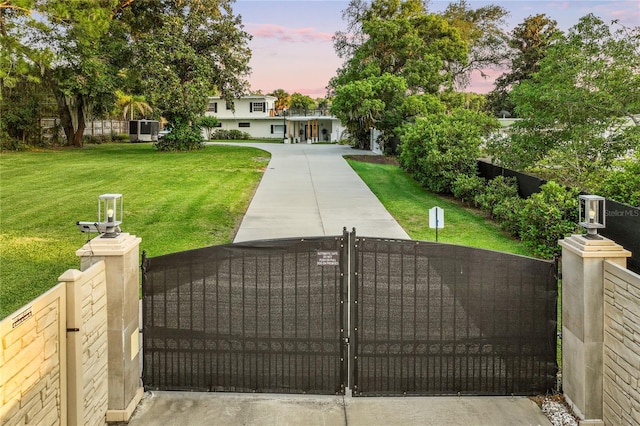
(467, 188)
(548, 216)
(495, 192)
(183, 137)
(507, 213)
(438, 148)
(232, 134)
(95, 139)
(623, 183)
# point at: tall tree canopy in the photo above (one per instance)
(399, 54)
(528, 45)
(482, 30)
(193, 49)
(175, 52)
(580, 109)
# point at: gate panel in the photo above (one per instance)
(442, 319)
(251, 317)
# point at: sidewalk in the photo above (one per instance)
(310, 190)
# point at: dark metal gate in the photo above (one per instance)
(321, 314)
(443, 319)
(262, 316)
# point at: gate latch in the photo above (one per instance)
(345, 340)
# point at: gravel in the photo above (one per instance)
(557, 413)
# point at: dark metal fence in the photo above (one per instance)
(255, 317)
(317, 315)
(441, 319)
(623, 221)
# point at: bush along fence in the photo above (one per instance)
(622, 221)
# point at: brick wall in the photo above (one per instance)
(621, 405)
(32, 368)
(53, 364)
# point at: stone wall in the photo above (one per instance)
(87, 347)
(53, 366)
(33, 362)
(621, 346)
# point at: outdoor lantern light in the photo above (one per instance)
(109, 216)
(592, 214)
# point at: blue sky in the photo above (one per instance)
(292, 47)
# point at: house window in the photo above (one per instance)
(212, 107)
(244, 124)
(257, 107)
(229, 105)
(277, 129)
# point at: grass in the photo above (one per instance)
(409, 204)
(174, 201)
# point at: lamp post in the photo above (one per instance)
(285, 139)
(591, 214)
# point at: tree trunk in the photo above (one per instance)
(71, 111)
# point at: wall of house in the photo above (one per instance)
(243, 108)
(53, 366)
(621, 405)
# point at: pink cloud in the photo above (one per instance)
(278, 32)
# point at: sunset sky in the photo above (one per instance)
(292, 47)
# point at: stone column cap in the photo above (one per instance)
(592, 248)
(117, 246)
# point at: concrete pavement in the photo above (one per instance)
(310, 190)
(194, 408)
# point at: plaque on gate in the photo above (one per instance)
(328, 258)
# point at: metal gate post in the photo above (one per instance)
(353, 308)
(344, 310)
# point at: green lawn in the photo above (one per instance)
(409, 204)
(174, 201)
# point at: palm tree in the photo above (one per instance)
(284, 99)
(129, 103)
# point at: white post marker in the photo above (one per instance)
(436, 219)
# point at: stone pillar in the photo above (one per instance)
(583, 321)
(121, 257)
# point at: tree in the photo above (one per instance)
(323, 104)
(283, 101)
(301, 103)
(69, 47)
(529, 43)
(400, 52)
(208, 123)
(129, 103)
(486, 41)
(190, 50)
(579, 109)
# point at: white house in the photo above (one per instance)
(257, 116)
